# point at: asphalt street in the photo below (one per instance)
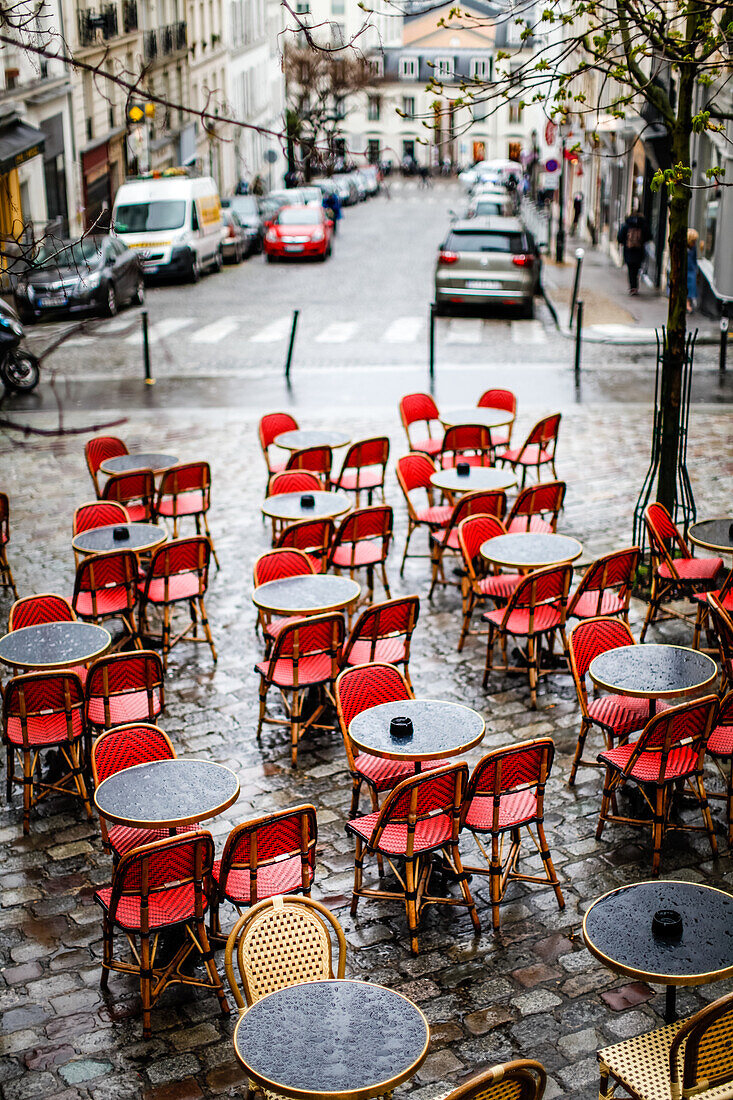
(362, 332)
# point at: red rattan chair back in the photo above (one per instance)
(318, 634)
(6, 573)
(99, 513)
(98, 450)
(521, 769)
(266, 842)
(185, 490)
(519, 1080)
(480, 502)
(544, 500)
(416, 408)
(281, 562)
(367, 452)
(100, 581)
(614, 572)
(318, 460)
(4, 517)
(294, 481)
(498, 399)
(365, 686)
(127, 746)
(165, 865)
(544, 433)
(125, 687)
(312, 536)
(466, 442)
(393, 622)
(421, 797)
(42, 708)
(589, 639)
(723, 627)
(542, 586)
(472, 532)
(370, 524)
(176, 560)
(135, 490)
(689, 724)
(663, 535)
(34, 610)
(274, 424)
(414, 472)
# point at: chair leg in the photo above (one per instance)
(207, 628)
(107, 943)
(145, 984)
(549, 866)
(584, 729)
(166, 633)
(208, 535)
(489, 654)
(77, 772)
(411, 902)
(465, 889)
(358, 874)
(208, 957)
(495, 880)
(702, 614)
(9, 771)
(605, 803)
(27, 791)
(263, 700)
(660, 806)
(532, 647)
(295, 728)
(355, 792)
(468, 606)
(410, 529)
(406, 674)
(651, 609)
(385, 582)
(706, 815)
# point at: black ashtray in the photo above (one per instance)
(463, 469)
(307, 501)
(667, 924)
(120, 534)
(401, 728)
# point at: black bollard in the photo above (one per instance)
(431, 340)
(291, 345)
(724, 321)
(578, 340)
(579, 254)
(149, 380)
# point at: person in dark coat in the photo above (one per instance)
(633, 235)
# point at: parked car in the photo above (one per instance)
(356, 181)
(247, 209)
(92, 274)
(494, 170)
(234, 241)
(485, 206)
(311, 195)
(299, 231)
(346, 190)
(488, 260)
(371, 179)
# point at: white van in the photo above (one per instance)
(173, 222)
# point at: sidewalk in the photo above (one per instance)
(610, 314)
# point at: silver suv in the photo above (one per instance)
(488, 260)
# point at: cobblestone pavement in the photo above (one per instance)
(530, 990)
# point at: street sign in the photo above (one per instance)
(270, 156)
(550, 132)
(551, 166)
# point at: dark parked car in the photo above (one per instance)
(248, 210)
(234, 244)
(94, 273)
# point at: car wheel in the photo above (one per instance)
(218, 261)
(269, 257)
(239, 254)
(194, 273)
(111, 302)
(139, 295)
(528, 309)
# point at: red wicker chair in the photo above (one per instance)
(185, 490)
(98, 450)
(318, 460)
(536, 610)
(420, 408)
(281, 562)
(136, 491)
(305, 654)
(382, 633)
(537, 508)
(519, 1080)
(271, 426)
(667, 756)
(312, 536)
(505, 795)
(479, 583)
(674, 577)
(616, 716)
(480, 502)
(178, 573)
(6, 573)
(469, 443)
(358, 689)
(362, 542)
(45, 607)
(421, 816)
(505, 401)
(295, 481)
(720, 749)
(125, 747)
(44, 710)
(156, 887)
(106, 588)
(413, 474)
(537, 450)
(605, 587)
(724, 595)
(264, 858)
(364, 468)
(722, 622)
(99, 513)
(123, 688)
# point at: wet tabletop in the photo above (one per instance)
(290, 506)
(440, 728)
(99, 540)
(305, 595)
(713, 534)
(619, 927)
(339, 1038)
(490, 418)
(300, 438)
(146, 460)
(527, 549)
(54, 645)
(167, 793)
(652, 670)
(478, 477)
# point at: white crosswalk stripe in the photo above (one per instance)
(405, 330)
(216, 331)
(337, 333)
(528, 332)
(161, 329)
(276, 330)
(464, 330)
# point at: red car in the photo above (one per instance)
(299, 231)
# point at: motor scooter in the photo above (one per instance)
(19, 368)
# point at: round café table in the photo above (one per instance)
(652, 672)
(310, 594)
(54, 645)
(713, 534)
(166, 794)
(332, 1040)
(478, 477)
(300, 438)
(440, 728)
(145, 460)
(489, 418)
(617, 929)
(527, 550)
(288, 507)
(101, 540)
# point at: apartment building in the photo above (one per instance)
(256, 89)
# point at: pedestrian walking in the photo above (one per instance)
(633, 235)
(332, 203)
(692, 267)
(577, 210)
(425, 180)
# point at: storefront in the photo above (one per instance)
(19, 143)
(103, 170)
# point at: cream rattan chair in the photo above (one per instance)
(519, 1080)
(692, 1057)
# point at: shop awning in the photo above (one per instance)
(18, 143)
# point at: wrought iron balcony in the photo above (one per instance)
(92, 23)
(164, 41)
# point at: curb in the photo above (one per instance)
(621, 335)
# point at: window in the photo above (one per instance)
(515, 111)
(408, 149)
(303, 9)
(408, 106)
(480, 68)
(338, 7)
(479, 111)
(339, 106)
(149, 217)
(373, 108)
(376, 64)
(408, 68)
(11, 78)
(443, 68)
(373, 150)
